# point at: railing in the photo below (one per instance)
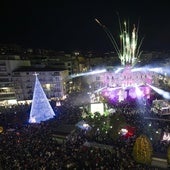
(4, 96)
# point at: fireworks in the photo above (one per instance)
(129, 51)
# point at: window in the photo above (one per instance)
(97, 78)
(56, 73)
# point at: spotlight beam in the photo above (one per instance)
(163, 93)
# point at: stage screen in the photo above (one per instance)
(97, 107)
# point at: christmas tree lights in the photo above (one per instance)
(41, 109)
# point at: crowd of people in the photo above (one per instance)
(31, 146)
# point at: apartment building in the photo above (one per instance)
(52, 80)
(8, 63)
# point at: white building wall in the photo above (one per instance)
(53, 83)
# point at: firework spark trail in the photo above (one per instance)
(107, 31)
(129, 51)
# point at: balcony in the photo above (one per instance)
(7, 96)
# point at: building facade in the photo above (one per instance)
(52, 80)
(7, 65)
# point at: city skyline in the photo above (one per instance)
(68, 26)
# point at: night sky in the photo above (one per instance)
(67, 26)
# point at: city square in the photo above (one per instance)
(85, 110)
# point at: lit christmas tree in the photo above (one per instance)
(41, 109)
